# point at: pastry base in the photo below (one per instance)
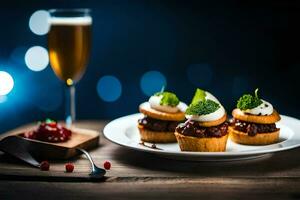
(213, 144)
(215, 122)
(148, 111)
(258, 139)
(156, 137)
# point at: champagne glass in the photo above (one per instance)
(69, 43)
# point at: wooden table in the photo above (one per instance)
(136, 175)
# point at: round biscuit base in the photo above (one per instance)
(214, 122)
(156, 137)
(148, 111)
(258, 139)
(214, 144)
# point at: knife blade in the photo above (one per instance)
(18, 148)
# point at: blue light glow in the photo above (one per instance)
(49, 94)
(3, 99)
(6, 83)
(50, 100)
(38, 22)
(152, 81)
(109, 88)
(17, 55)
(200, 74)
(36, 58)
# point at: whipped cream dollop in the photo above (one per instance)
(263, 109)
(211, 97)
(219, 113)
(154, 102)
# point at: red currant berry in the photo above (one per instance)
(107, 165)
(69, 167)
(45, 166)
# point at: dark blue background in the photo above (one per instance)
(226, 47)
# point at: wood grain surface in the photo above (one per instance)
(137, 175)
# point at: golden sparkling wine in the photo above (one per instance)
(69, 43)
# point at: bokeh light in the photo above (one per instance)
(152, 81)
(36, 58)
(38, 22)
(6, 83)
(200, 74)
(109, 88)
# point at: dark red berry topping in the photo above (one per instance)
(69, 167)
(49, 131)
(45, 166)
(107, 165)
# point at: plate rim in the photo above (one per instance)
(199, 154)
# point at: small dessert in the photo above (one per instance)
(163, 112)
(49, 131)
(206, 129)
(254, 121)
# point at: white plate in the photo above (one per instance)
(123, 131)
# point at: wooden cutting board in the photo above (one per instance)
(87, 137)
(81, 138)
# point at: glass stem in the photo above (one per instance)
(70, 105)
